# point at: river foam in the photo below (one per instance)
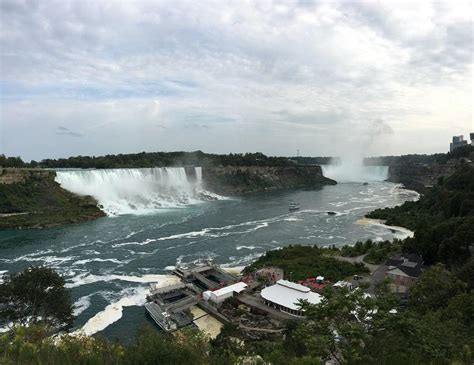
(114, 311)
(398, 232)
(86, 278)
(129, 297)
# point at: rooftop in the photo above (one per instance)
(294, 286)
(237, 287)
(288, 294)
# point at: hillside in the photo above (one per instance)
(32, 199)
(443, 219)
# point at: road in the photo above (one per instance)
(377, 272)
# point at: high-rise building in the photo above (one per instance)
(458, 141)
(472, 139)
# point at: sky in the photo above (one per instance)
(101, 77)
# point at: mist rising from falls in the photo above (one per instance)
(348, 170)
(138, 191)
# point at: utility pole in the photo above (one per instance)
(297, 153)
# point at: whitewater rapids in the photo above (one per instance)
(138, 191)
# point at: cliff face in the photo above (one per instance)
(12, 175)
(419, 176)
(246, 179)
(30, 198)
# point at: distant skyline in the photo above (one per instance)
(324, 77)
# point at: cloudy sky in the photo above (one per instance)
(97, 77)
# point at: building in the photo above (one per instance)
(218, 296)
(404, 271)
(458, 141)
(472, 139)
(285, 296)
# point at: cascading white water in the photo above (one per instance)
(355, 172)
(137, 191)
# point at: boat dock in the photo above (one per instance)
(170, 306)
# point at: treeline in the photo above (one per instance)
(443, 220)
(438, 158)
(199, 158)
(302, 160)
(152, 159)
(11, 162)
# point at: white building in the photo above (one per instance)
(285, 296)
(219, 295)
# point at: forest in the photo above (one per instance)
(443, 220)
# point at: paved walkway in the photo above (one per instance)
(356, 259)
(377, 272)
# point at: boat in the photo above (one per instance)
(294, 206)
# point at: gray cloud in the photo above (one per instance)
(67, 132)
(260, 75)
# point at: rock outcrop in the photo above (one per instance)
(31, 198)
(233, 180)
(418, 177)
(13, 175)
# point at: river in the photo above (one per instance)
(108, 263)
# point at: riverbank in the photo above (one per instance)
(399, 232)
(31, 198)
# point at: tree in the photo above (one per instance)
(35, 295)
(433, 290)
(150, 347)
(339, 327)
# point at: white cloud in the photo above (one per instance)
(233, 76)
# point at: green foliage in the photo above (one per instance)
(34, 345)
(159, 159)
(376, 252)
(466, 273)
(34, 295)
(151, 347)
(39, 201)
(443, 220)
(434, 288)
(351, 328)
(307, 261)
(11, 161)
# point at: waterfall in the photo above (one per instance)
(355, 172)
(137, 191)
